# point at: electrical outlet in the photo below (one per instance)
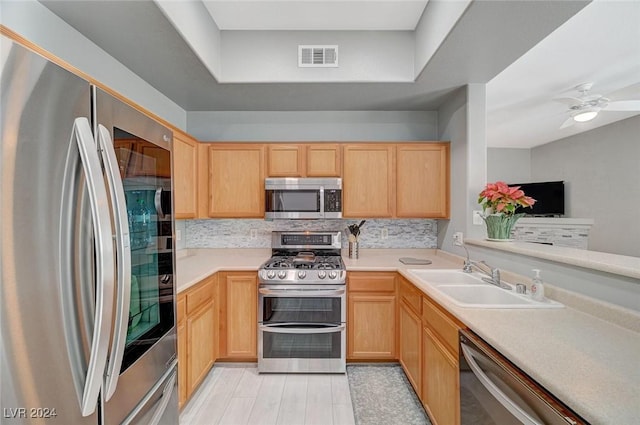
(458, 238)
(178, 235)
(477, 218)
(253, 233)
(384, 233)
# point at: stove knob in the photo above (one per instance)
(271, 274)
(282, 274)
(322, 274)
(333, 274)
(302, 274)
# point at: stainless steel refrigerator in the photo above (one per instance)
(87, 258)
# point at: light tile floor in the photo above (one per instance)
(240, 396)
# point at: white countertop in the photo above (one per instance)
(595, 260)
(590, 364)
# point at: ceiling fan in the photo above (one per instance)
(586, 107)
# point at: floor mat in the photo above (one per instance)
(382, 395)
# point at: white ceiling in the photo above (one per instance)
(600, 44)
(326, 15)
(526, 51)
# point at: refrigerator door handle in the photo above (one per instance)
(123, 260)
(104, 263)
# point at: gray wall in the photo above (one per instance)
(462, 121)
(452, 125)
(601, 170)
(313, 125)
(42, 27)
(509, 165)
(272, 56)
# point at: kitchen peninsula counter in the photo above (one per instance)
(575, 352)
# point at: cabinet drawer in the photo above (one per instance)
(372, 282)
(181, 307)
(411, 295)
(441, 324)
(199, 295)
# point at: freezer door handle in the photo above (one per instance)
(164, 401)
(104, 263)
(123, 260)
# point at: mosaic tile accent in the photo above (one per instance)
(569, 236)
(236, 233)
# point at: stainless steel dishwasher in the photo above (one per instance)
(494, 391)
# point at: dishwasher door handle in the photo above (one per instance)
(496, 392)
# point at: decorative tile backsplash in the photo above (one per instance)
(249, 233)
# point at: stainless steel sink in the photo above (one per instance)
(469, 290)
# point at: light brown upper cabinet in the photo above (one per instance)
(303, 160)
(368, 180)
(422, 180)
(185, 176)
(235, 180)
(323, 160)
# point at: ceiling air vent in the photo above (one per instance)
(317, 56)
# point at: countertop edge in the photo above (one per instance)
(602, 261)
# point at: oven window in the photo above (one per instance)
(301, 310)
(301, 345)
(293, 200)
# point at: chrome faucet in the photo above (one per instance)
(493, 273)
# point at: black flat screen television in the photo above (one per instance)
(549, 198)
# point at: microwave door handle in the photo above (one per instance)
(282, 330)
(123, 256)
(321, 201)
(104, 264)
(496, 392)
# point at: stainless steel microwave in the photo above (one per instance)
(303, 198)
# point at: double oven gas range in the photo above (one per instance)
(302, 304)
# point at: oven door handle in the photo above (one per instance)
(304, 293)
(282, 330)
(496, 392)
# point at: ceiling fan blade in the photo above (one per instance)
(568, 100)
(626, 93)
(568, 123)
(624, 105)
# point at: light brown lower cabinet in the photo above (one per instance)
(239, 315)
(440, 386)
(371, 321)
(411, 346)
(440, 374)
(197, 335)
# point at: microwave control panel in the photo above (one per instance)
(333, 200)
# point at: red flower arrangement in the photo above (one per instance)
(502, 198)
